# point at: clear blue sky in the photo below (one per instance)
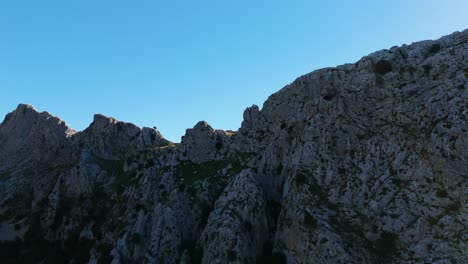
(172, 63)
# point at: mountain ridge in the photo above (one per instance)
(360, 163)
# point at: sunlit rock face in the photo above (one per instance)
(362, 163)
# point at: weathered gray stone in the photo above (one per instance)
(361, 163)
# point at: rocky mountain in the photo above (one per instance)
(362, 163)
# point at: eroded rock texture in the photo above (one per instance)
(362, 163)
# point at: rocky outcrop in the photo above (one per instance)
(28, 136)
(238, 226)
(369, 139)
(203, 143)
(111, 139)
(362, 163)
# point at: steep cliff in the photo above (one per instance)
(362, 163)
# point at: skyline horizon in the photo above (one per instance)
(190, 127)
(171, 65)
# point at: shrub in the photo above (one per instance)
(434, 48)
(386, 245)
(427, 68)
(383, 67)
(275, 258)
(136, 238)
(454, 207)
(279, 169)
(310, 221)
(330, 94)
(231, 255)
(441, 193)
(301, 178)
(219, 144)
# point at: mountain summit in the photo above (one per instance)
(362, 163)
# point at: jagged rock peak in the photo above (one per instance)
(100, 118)
(24, 107)
(202, 125)
(25, 116)
(114, 139)
(201, 130)
(102, 121)
(29, 138)
(202, 142)
(251, 116)
(362, 163)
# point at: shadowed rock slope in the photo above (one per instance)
(362, 163)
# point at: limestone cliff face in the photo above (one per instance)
(32, 137)
(362, 163)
